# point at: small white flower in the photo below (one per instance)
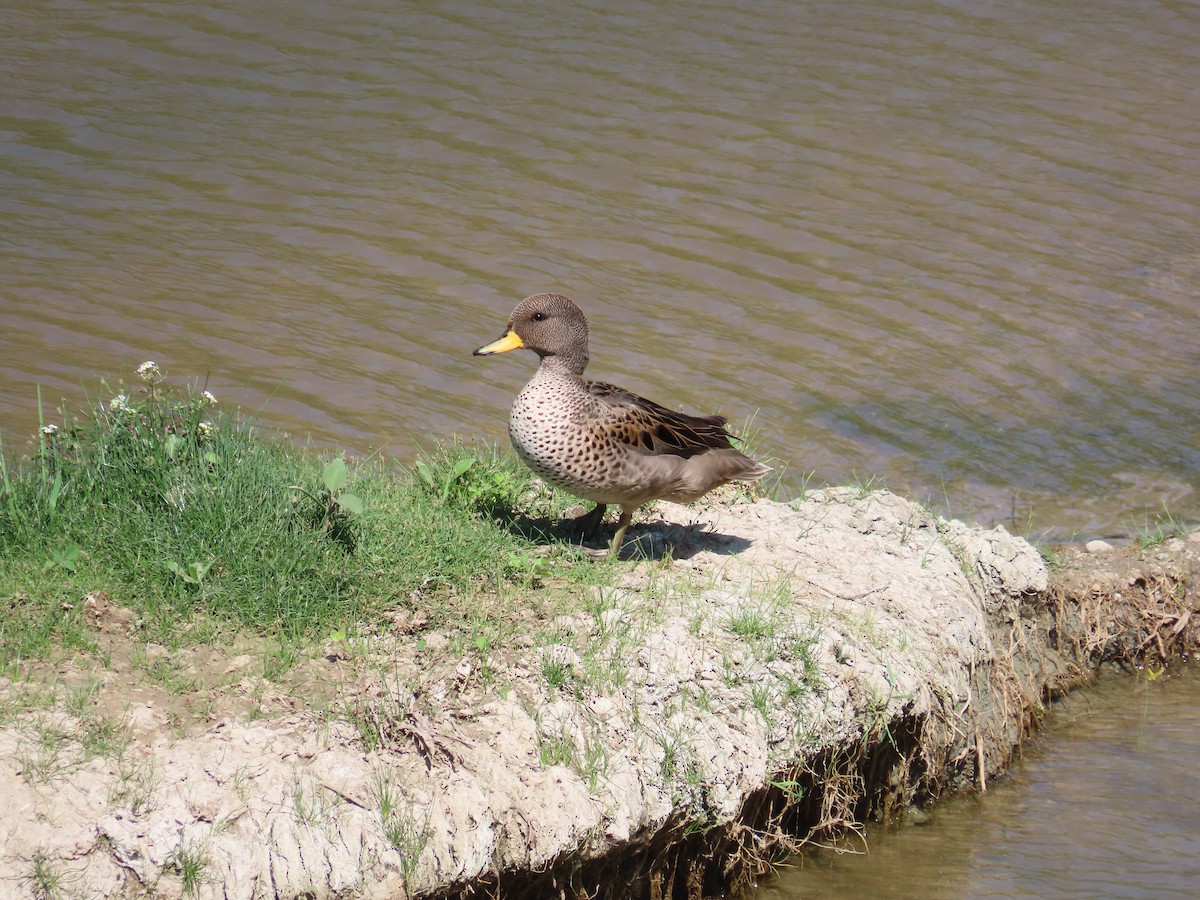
(208, 395)
(119, 403)
(204, 429)
(50, 430)
(148, 370)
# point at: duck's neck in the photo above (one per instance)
(561, 365)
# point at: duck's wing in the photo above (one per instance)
(650, 428)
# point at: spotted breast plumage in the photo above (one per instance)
(599, 441)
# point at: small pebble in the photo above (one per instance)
(1097, 546)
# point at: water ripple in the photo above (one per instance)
(952, 244)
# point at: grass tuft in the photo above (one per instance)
(1165, 527)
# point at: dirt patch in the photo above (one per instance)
(786, 672)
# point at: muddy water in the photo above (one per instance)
(950, 246)
(1105, 804)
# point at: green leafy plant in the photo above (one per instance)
(192, 574)
(334, 475)
(478, 481)
(335, 507)
(67, 557)
(556, 672)
(444, 481)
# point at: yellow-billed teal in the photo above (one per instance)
(599, 441)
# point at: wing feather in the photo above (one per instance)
(651, 428)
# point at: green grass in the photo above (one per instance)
(405, 825)
(58, 730)
(135, 785)
(201, 522)
(190, 860)
(46, 880)
(1165, 527)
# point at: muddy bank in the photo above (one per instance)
(791, 670)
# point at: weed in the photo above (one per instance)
(67, 556)
(241, 783)
(865, 486)
(603, 667)
(556, 671)
(191, 574)
(800, 486)
(1050, 556)
(1165, 527)
(670, 747)
(201, 526)
(557, 750)
(163, 670)
(586, 756)
(403, 828)
(749, 439)
(444, 481)
(455, 475)
(55, 743)
(46, 881)
(598, 602)
(189, 861)
(335, 508)
(752, 624)
(134, 786)
(103, 736)
(701, 698)
(766, 621)
(760, 699)
(967, 564)
(182, 512)
(877, 712)
(44, 751)
(280, 660)
(791, 789)
(594, 765)
(78, 701)
(310, 806)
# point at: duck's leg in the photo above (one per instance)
(614, 547)
(622, 524)
(587, 525)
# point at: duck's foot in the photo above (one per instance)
(587, 526)
(614, 548)
(566, 549)
(645, 545)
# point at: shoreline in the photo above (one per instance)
(792, 670)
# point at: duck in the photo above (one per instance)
(601, 442)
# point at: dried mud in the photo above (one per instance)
(787, 672)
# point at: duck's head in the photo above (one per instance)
(548, 324)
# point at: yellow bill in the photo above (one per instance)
(509, 342)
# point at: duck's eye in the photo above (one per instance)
(539, 317)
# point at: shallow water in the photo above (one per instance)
(948, 246)
(1104, 804)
